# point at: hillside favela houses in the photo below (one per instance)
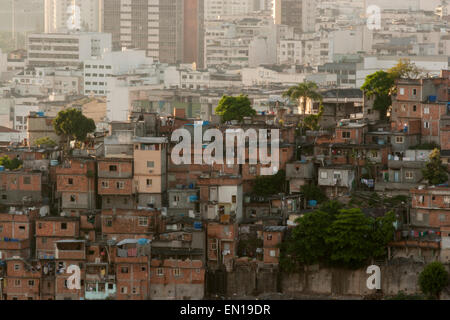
(269, 149)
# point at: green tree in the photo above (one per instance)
(73, 125)
(308, 239)
(312, 121)
(435, 172)
(379, 85)
(302, 92)
(313, 192)
(45, 141)
(10, 164)
(405, 69)
(382, 233)
(335, 236)
(433, 279)
(350, 239)
(270, 185)
(234, 108)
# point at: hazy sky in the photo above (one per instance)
(29, 15)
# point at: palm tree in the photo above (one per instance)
(302, 92)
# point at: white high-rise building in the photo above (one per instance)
(72, 15)
(218, 9)
(97, 71)
(65, 49)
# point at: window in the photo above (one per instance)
(143, 269)
(112, 168)
(123, 290)
(1, 228)
(345, 134)
(73, 198)
(269, 236)
(143, 221)
(337, 175)
(22, 228)
(135, 290)
(109, 222)
(414, 92)
(442, 217)
(17, 283)
(408, 175)
(16, 267)
(63, 226)
(105, 184)
(120, 185)
(26, 180)
(124, 270)
(31, 283)
(150, 164)
(70, 181)
(399, 139)
(213, 246)
(446, 200)
(149, 182)
(272, 253)
(323, 175)
(4, 197)
(402, 91)
(426, 125)
(160, 272)
(426, 110)
(177, 272)
(233, 199)
(419, 216)
(414, 108)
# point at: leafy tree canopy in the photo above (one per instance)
(304, 90)
(311, 122)
(45, 141)
(405, 69)
(234, 108)
(435, 172)
(313, 192)
(270, 185)
(10, 164)
(73, 124)
(433, 279)
(337, 237)
(379, 85)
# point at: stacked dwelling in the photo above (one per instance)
(137, 225)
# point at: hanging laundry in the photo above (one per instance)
(122, 253)
(132, 252)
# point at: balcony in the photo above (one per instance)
(100, 290)
(70, 249)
